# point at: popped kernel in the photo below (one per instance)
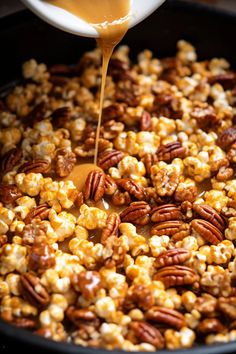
(30, 183)
(92, 218)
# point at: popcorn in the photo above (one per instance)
(62, 223)
(30, 183)
(182, 339)
(92, 218)
(13, 257)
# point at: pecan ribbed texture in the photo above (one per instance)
(33, 290)
(166, 316)
(210, 214)
(176, 275)
(94, 186)
(111, 228)
(10, 159)
(145, 332)
(35, 166)
(208, 231)
(170, 151)
(137, 213)
(166, 212)
(172, 257)
(39, 212)
(110, 158)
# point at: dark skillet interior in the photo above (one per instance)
(24, 36)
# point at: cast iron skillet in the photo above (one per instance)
(24, 36)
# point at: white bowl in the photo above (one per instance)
(68, 22)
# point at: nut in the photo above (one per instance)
(38, 212)
(110, 185)
(26, 323)
(144, 332)
(145, 123)
(121, 198)
(88, 283)
(114, 111)
(210, 214)
(9, 194)
(132, 188)
(80, 316)
(170, 228)
(35, 166)
(149, 160)
(33, 291)
(33, 231)
(227, 306)
(170, 151)
(172, 257)
(139, 296)
(10, 159)
(227, 138)
(65, 162)
(94, 186)
(119, 70)
(210, 325)
(114, 254)
(111, 228)
(227, 80)
(166, 316)
(41, 256)
(61, 116)
(176, 275)
(208, 231)
(206, 118)
(166, 212)
(110, 158)
(137, 213)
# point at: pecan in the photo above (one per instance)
(227, 138)
(41, 256)
(61, 116)
(33, 290)
(175, 275)
(168, 106)
(79, 200)
(207, 231)
(36, 114)
(137, 213)
(3, 240)
(22, 322)
(131, 187)
(206, 305)
(121, 198)
(65, 162)
(170, 228)
(88, 283)
(149, 160)
(35, 166)
(111, 228)
(224, 174)
(166, 316)
(144, 332)
(170, 151)
(88, 147)
(34, 230)
(127, 96)
(38, 212)
(172, 257)
(227, 306)
(114, 111)
(186, 194)
(139, 296)
(9, 193)
(210, 325)
(206, 118)
(166, 212)
(10, 159)
(145, 123)
(110, 185)
(227, 80)
(111, 129)
(210, 214)
(110, 159)
(94, 188)
(80, 316)
(119, 70)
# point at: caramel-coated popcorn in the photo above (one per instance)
(139, 254)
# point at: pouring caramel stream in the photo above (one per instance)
(110, 18)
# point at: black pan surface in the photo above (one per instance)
(24, 36)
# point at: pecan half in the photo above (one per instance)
(172, 257)
(127, 96)
(114, 253)
(9, 193)
(210, 325)
(176, 275)
(111, 228)
(207, 231)
(227, 306)
(61, 116)
(80, 316)
(36, 114)
(41, 256)
(210, 214)
(206, 305)
(38, 212)
(166, 316)
(65, 162)
(110, 185)
(137, 213)
(10, 159)
(227, 138)
(22, 322)
(166, 212)
(144, 332)
(34, 230)
(94, 188)
(120, 198)
(170, 228)
(170, 151)
(110, 159)
(35, 166)
(119, 70)
(206, 118)
(33, 290)
(114, 111)
(131, 187)
(139, 296)
(88, 283)
(149, 160)
(227, 80)
(87, 149)
(145, 123)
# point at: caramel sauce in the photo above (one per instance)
(110, 18)
(79, 174)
